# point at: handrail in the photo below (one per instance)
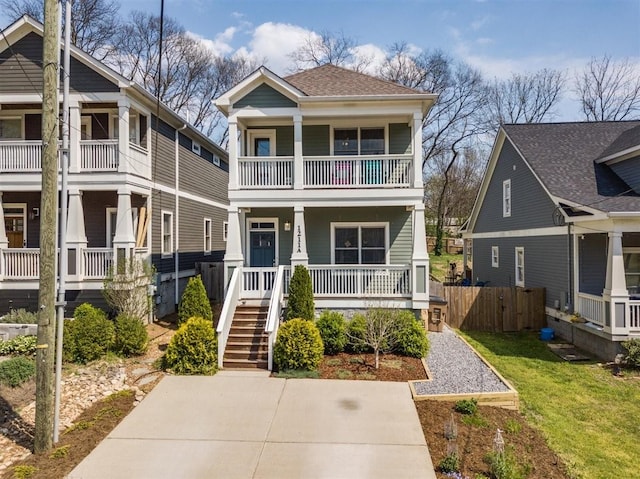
(275, 308)
(228, 310)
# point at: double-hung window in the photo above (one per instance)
(520, 266)
(360, 243)
(506, 198)
(166, 233)
(495, 256)
(207, 236)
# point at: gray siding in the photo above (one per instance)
(531, 207)
(592, 268)
(160, 201)
(22, 71)
(315, 140)
(546, 262)
(399, 138)
(191, 248)
(629, 171)
(201, 178)
(264, 96)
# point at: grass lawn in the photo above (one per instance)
(589, 417)
(439, 265)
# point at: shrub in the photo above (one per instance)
(356, 330)
(19, 316)
(126, 287)
(15, 371)
(89, 336)
(300, 303)
(24, 472)
(193, 349)
(506, 466)
(333, 331)
(410, 337)
(450, 463)
(20, 345)
(132, 338)
(194, 302)
(298, 345)
(466, 406)
(633, 352)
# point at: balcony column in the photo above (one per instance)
(233, 156)
(298, 169)
(75, 160)
(417, 151)
(123, 135)
(615, 292)
(420, 260)
(299, 251)
(233, 257)
(124, 240)
(76, 235)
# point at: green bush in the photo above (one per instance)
(194, 302)
(19, 316)
(132, 338)
(410, 337)
(466, 406)
(333, 331)
(15, 371)
(193, 349)
(89, 336)
(300, 303)
(298, 346)
(23, 345)
(633, 352)
(506, 466)
(450, 463)
(356, 330)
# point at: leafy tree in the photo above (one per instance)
(300, 303)
(194, 301)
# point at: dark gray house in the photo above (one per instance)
(559, 208)
(139, 185)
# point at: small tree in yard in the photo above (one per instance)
(194, 302)
(300, 303)
(379, 332)
(126, 288)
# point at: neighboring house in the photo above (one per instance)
(326, 172)
(559, 208)
(125, 168)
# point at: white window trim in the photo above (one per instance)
(248, 237)
(195, 147)
(216, 160)
(507, 205)
(520, 281)
(366, 224)
(23, 207)
(359, 127)
(112, 210)
(266, 133)
(225, 230)
(207, 236)
(495, 257)
(166, 254)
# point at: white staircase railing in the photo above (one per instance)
(228, 310)
(275, 310)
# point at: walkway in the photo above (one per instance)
(247, 425)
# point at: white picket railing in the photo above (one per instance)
(275, 310)
(228, 310)
(20, 156)
(375, 171)
(257, 282)
(591, 307)
(99, 155)
(265, 172)
(634, 316)
(21, 263)
(96, 262)
(373, 281)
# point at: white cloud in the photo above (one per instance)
(371, 53)
(484, 41)
(220, 45)
(480, 22)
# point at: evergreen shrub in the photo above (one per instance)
(132, 338)
(194, 302)
(298, 346)
(89, 336)
(15, 371)
(410, 337)
(20, 345)
(300, 303)
(333, 331)
(193, 349)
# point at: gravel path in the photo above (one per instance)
(455, 368)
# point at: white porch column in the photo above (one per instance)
(420, 260)
(298, 179)
(75, 160)
(76, 236)
(123, 135)
(417, 151)
(233, 257)
(615, 291)
(233, 157)
(124, 240)
(299, 251)
(4, 241)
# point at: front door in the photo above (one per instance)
(14, 225)
(263, 249)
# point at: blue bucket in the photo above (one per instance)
(546, 334)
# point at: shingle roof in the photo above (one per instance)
(563, 156)
(330, 80)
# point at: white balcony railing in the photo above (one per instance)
(591, 307)
(20, 156)
(99, 155)
(634, 316)
(96, 262)
(376, 171)
(265, 172)
(20, 263)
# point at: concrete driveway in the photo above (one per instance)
(246, 425)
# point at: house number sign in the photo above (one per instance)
(299, 239)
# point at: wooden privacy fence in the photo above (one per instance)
(212, 275)
(476, 308)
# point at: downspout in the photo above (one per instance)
(570, 266)
(177, 209)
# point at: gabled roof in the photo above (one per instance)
(331, 80)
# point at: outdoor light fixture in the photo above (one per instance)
(34, 213)
(287, 225)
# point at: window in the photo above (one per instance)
(85, 128)
(195, 147)
(520, 266)
(358, 141)
(506, 198)
(360, 244)
(10, 129)
(631, 259)
(495, 257)
(167, 233)
(261, 142)
(216, 160)
(207, 236)
(225, 230)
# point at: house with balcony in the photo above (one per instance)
(325, 170)
(141, 181)
(559, 208)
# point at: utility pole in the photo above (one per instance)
(45, 352)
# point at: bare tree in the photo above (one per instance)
(525, 98)
(94, 23)
(609, 90)
(328, 48)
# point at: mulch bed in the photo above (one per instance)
(362, 366)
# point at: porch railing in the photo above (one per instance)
(99, 155)
(383, 281)
(257, 282)
(591, 307)
(20, 156)
(97, 262)
(265, 172)
(275, 310)
(634, 316)
(20, 263)
(359, 172)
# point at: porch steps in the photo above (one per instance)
(247, 345)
